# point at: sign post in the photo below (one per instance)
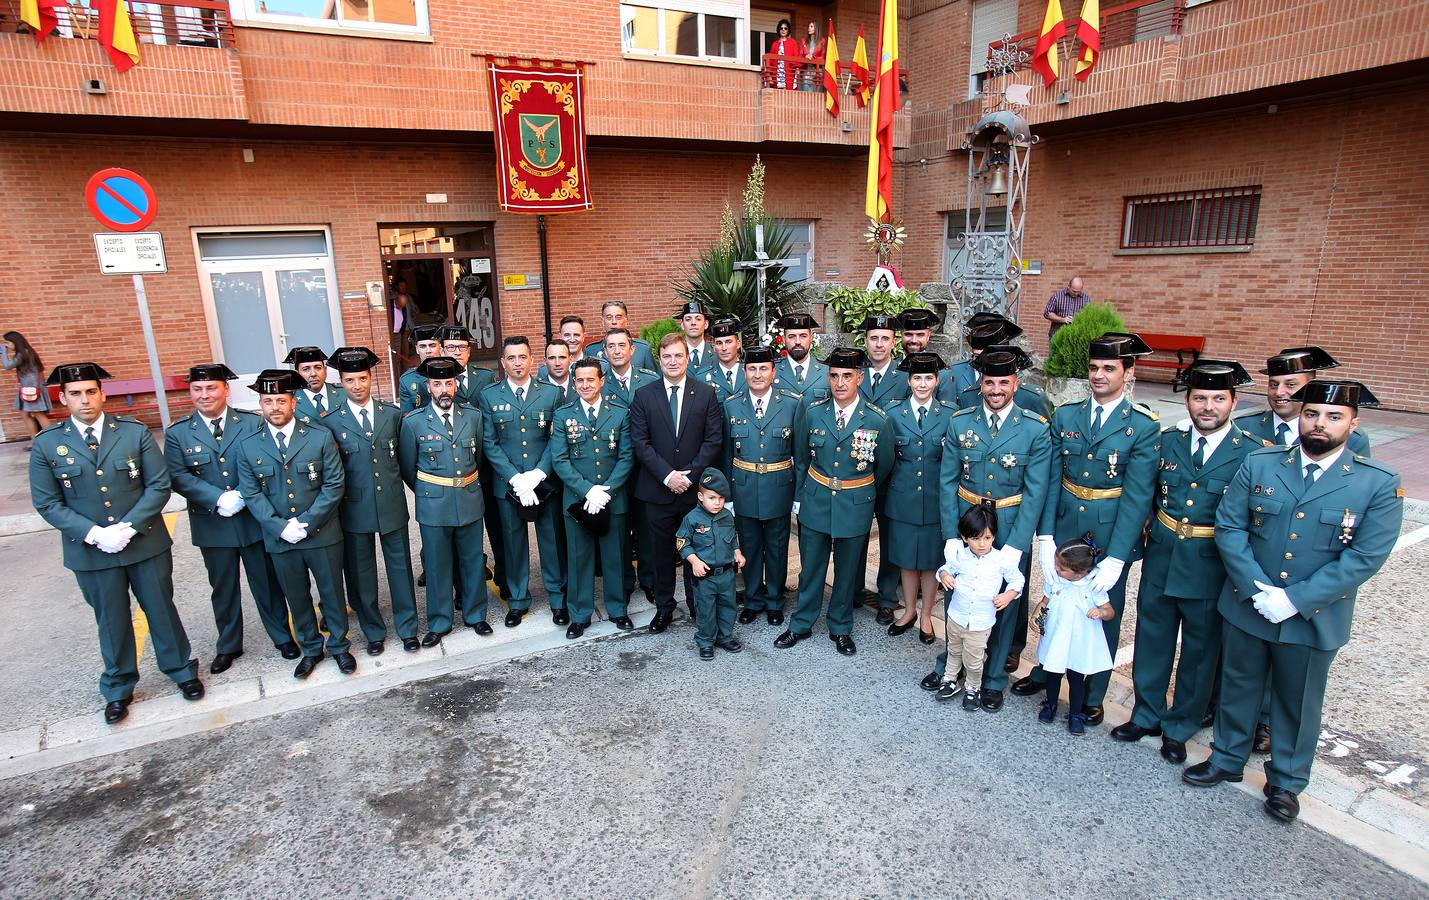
(123, 201)
(761, 264)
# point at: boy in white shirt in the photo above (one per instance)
(981, 582)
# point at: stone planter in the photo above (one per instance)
(1066, 390)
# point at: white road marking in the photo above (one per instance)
(1416, 536)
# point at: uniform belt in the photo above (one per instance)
(762, 468)
(839, 484)
(1185, 529)
(974, 499)
(718, 570)
(444, 481)
(1086, 493)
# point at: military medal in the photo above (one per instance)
(967, 468)
(391, 448)
(1008, 460)
(62, 450)
(312, 471)
(541, 419)
(1130, 431)
(133, 467)
(612, 438)
(1111, 465)
(1347, 527)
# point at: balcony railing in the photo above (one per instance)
(806, 73)
(191, 23)
(1128, 23)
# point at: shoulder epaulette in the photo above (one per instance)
(1254, 437)
(1147, 411)
(966, 410)
(944, 403)
(413, 412)
(792, 395)
(1375, 464)
(52, 427)
(815, 403)
(1250, 415)
(244, 412)
(130, 419)
(876, 409)
(1032, 414)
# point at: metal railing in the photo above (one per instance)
(1127, 23)
(190, 23)
(806, 73)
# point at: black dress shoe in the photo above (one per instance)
(1173, 751)
(576, 629)
(991, 700)
(1094, 714)
(623, 623)
(931, 682)
(411, 644)
(775, 617)
(433, 638)
(661, 621)
(192, 689)
(375, 648)
(560, 617)
(1130, 732)
(345, 662)
(482, 628)
(222, 662)
(746, 616)
(895, 629)
(884, 617)
(926, 637)
(1209, 718)
(1261, 742)
(1207, 775)
(730, 646)
(116, 710)
(514, 617)
(1026, 687)
(1281, 804)
(789, 639)
(306, 666)
(844, 643)
(706, 653)
(1013, 661)
(289, 650)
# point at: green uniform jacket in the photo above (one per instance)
(813, 388)
(1028, 397)
(892, 387)
(423, 445)
(375, 501)
(75, 490)
(201, 470)
(963, 376)
(583, 457)
(1262, 425)
(640, 355)
(707, 358)
(638, 379)
(307, 486)
(1319, 543)
(306, 413)
(766, 440)
(911, 494)
(568, 393)
(714, 377)
(412, 391)
(1017, 461)
(1190, 567)
(477, 380)
(1122, 455)
(713, 538)
(864, 447)
(516, 436)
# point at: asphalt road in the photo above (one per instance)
(627, 767)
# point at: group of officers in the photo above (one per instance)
(1254, 532)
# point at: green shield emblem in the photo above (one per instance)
(541, 140)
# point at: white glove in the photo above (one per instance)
(796, 507)
(597, 498)
(527, 497)
(294, 532)
(1013, 557)
(950, 549)
(110, 538)
(521, 482)
(1047, 555)
(230, 503)
(1107, 573)
(729, 506)
(1273, 603)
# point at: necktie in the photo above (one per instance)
(993, 424)
(1199, 457)
(447, 418)
(318, 402)
(590, 414)
(675, 406)
(842, 420)
(1281, 431)
(520, 395)
(1097, 421)
(1310, 470)
(366, 422)
(218, 429)
(799, 373)
(877, 377)
(624, 386)
(695, 358)
(282, 444)
(758, 409)
(91, 440)
(729, 378)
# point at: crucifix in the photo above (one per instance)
(761, 264)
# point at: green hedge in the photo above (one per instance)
(1068, 355)
(652, 333)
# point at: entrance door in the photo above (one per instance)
(442, 274)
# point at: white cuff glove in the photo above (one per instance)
(950, 549)
(1107, 573)
(294, 531)
(1273, 603)
(796, 507)
(230, 503)
(111, 538)
(1013, 557)
(597, 498)
(527, 497)
(729, 506)
(1047, 555)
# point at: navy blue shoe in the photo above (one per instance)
(1077, 723)
(1048, 713)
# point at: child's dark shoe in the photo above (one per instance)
(950, 690)
(706, 653)
(1048, 712)
(1077, 723)
(972, 699)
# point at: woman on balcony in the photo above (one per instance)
(786, 74)
(812, 48)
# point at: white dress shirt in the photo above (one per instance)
(592, 410)
(979, 581)
(287, 431)
(761, 401)
(523, 386)
(1323, 464)
(97, 425)
(848, 411)
(357, 411)
(1213, 440)
(1001, 415)
(1293, 434)
(1107, 408)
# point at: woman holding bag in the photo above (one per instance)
(32, 400)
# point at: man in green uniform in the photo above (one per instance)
(1287, 372)
(374, 505)
(1182, 573)
(1001, 452)
(994, 331)
(592, 456)
(694, 321)
(290, 475)
(101, 481)
(726, 374)
(470, 382)
(202, 455)
(842, 452)
(412, 387)
(622, 379)
(1299, 530)
(708, 542)
(799, 372)
(316, 397)
(556, 371)
(1105, 451)
(760, 424)
(517, 414)
(884, 387)
(917, 326)
(615, 317)
(439, 451)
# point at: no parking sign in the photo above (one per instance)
(121, 200)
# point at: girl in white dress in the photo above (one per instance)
(1073, 641)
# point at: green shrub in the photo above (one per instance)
(852, 305)
(1068, 355)
(652, 333)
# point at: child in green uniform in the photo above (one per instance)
(708, 541)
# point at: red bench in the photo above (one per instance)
(1182, 345)
(123, 397)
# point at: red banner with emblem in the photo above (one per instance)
(538, 117)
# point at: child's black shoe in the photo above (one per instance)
(706, 653)
(1077, 723)
(972, 700)
(1048, 713)
(949, 691)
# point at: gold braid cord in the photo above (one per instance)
(564, 94)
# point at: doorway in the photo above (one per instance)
(441, 274)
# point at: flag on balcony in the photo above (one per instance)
(40, 15)
(859, 70)
(878, 191)
(538, 120)
(1044, 57)
(116, 33)
(831, 73)
(1089, 32)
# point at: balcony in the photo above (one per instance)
(188, 64)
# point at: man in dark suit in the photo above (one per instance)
(669, 455)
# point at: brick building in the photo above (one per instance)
(308, 154)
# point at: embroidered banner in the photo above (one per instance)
(538, 117)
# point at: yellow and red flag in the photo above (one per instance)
(40, 15)
(831, 73)
(116, 33)
(878, 191)
(1044, 57)
(1089, 32)
(859, 70)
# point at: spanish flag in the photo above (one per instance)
(40, 16)
(831, 73)
(1044, 57)
(859, 70)
(116, 33)
(1089, 32)
(878, 191)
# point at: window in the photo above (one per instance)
(991, 20)
(684, 29)
(801, 247)
(1220, 218)
(400, 16)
